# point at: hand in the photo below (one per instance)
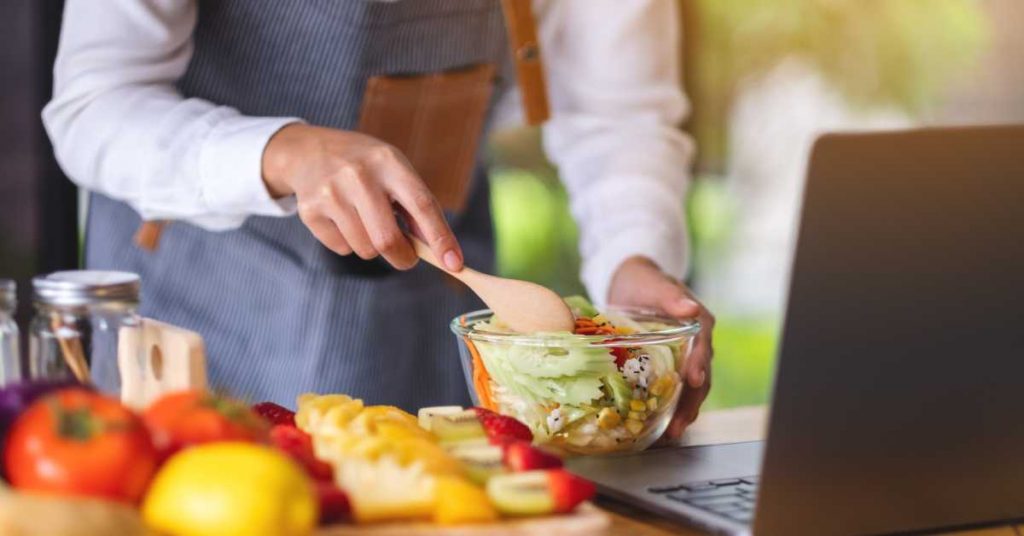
(348, 185)
(640, 283)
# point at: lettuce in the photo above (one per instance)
(567, 375)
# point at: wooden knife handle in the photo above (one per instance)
(522, 36)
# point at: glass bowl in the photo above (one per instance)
(581, 394)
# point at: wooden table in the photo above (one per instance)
(722, 426)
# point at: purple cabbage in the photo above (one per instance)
(16, 397)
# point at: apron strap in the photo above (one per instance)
(148, 235)
(522, 35)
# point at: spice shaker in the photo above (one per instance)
(80, 318)
(10, 357)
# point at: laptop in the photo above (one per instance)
(898, 402)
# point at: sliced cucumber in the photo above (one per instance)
(620, 391)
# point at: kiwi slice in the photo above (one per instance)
(426, 414)
(480, 461)
(457, 427)
(526, 493)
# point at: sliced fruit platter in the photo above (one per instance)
(195, 463)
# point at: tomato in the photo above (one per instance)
(187, 418)
(77, 442)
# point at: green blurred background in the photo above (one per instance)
(903, 56)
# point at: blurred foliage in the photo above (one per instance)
(900, 53)
(536, 233)
(744, 361)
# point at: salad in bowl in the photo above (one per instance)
(610, 386)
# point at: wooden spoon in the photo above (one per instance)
(523, 306)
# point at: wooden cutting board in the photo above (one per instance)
(28, 514)
(587, 520)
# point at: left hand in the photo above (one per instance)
(639, 282)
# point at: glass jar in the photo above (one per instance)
(10, 357)
(80, 324)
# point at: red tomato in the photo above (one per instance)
(189, 418)
(77, 442)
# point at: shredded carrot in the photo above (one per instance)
(481, 379)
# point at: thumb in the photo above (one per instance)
(674, 301)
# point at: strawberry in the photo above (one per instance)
(299, 446)
(334, 504)
(274, 413)
(500, 428)
(568, 490)
(521, 456)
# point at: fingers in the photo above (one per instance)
(337, 227)
(347, 220)
(688, 409)
(698, 362)
(378, 217)
(675, 301)
(427, 219)
(351, 180)
(325, 230)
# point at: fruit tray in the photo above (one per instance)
(34, 515)
(586, 519)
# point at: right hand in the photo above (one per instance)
(347, 186)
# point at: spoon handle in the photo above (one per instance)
(424, 252)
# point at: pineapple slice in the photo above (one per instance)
(385, 490)
(326, 413)
(459, 501)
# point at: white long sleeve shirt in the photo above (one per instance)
(119, 126)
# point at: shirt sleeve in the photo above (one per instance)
(120, 127)
(613, 72)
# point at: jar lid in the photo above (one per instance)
(8, 296)
(86, 287)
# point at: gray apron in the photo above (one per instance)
(281, 314)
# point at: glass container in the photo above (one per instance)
(581, 394)
(79, 327)
(10, 356)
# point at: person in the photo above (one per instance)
(249, 124)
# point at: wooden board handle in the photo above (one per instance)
(155, 358)
(522, 36)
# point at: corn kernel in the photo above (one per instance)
(634, 426)
(652, 403)
(637, 405)
(608, 418)
(662, 386)
(637, 415)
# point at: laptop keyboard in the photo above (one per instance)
(732, 498)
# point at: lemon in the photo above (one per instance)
(228, 489)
